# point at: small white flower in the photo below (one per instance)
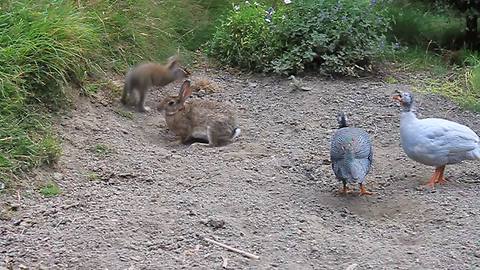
(246, 2)
(236, 7)
(287, 1)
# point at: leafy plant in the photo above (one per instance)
(333, 36)
(245, 39)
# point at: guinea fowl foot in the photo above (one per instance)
(363, 191)
(436, 178)
(441, 179)
(345, 190)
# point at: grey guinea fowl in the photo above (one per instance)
(351, 154)
(433, 141)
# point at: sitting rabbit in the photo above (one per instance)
(199, 120)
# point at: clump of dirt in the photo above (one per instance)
(204, 85)
(141, 201)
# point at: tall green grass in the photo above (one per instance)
(43, 46)
(422, 23)
(141, 30)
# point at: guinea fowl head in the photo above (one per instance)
(405, 99)
(342, 120)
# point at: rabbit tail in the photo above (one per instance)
(221, 133)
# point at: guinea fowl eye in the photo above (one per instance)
(170, 103)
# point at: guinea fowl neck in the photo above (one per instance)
(407, 107)
(407, 116)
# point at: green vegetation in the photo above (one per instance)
(244, 39)
(42, 48)
(141, 30)
(126, 114)
(51, 189)
(92, 176)
(333, 36)
(428, 37)
(101, 150)
(425, 24)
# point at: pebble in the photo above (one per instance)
(14, 207)
(57, 176)
(214, 223)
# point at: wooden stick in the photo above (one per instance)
(244, 253)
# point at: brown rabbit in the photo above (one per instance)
(199, 120)
(144, 76)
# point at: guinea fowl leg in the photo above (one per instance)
(363, 190)
(440, 178)
(345, 190)
(434, 178)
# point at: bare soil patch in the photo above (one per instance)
(133, 199)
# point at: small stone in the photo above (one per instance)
(17, 222)
(22, 266)
(14, 207)
(26, 223)
(57, 176)
(2, 186)
(326, 162)
(214, 223)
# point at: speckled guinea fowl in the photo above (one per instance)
(351, 154)
(433, 141)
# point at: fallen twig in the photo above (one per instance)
(244, 253)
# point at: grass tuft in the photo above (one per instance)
(51, 189)
(101, 150)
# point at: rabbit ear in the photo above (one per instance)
(185, 91)
(172, 62)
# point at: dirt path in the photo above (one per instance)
(132, 199)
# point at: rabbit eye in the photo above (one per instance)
(171, 103)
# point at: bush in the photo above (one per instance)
(333, 36)
(245, 39)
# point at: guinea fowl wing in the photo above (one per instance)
(351, 153)
(446, 137)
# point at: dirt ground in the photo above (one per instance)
(133, 199)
